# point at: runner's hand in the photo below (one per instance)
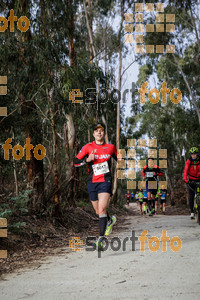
(90, 157)
(186, 181)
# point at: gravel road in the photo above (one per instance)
(122, 274)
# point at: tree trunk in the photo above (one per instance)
(55, 157)
(189, 89)
(72, 54)
(35, 173)
(118, 104)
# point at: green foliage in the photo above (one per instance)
(17, 205)
(16, 227)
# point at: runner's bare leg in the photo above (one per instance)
(100, 207)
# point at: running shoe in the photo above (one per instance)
(98, 245)
(152, 212)
(110, 225)
(192, 216)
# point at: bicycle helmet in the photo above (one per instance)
(194, 150)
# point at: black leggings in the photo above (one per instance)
(191, 198)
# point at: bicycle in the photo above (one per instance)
(196, 199)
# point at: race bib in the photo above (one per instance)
(163, 196)
(149, 174)
(101, 168)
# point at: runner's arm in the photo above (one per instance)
(81, 157)
(159, 172)
(186, 169)
(143, 173)
(114, 155)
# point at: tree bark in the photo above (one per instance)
(35, 173)
(55, 157)
(189, 89)
(118, 104)
(72, 53)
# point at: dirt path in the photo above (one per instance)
(118, 274)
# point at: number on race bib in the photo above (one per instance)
(149, 174)
(100, 169)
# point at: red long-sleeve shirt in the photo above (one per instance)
(192, 170)
(102, 154)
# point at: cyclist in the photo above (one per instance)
(97, 155)
(192, 170)
(150, 173)
(128, 195)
